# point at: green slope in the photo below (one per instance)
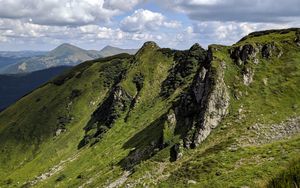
(121, 120)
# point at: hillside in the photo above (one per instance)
(15, 86)
(228, 116)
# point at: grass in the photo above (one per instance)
(29, 147)
(289, 177)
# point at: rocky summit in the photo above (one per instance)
(227, 116)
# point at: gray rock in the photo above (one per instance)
(248, 76)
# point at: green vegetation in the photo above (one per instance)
(288, 178)
(114, 119)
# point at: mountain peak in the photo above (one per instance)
(66, 45)
(109, 47)
(196, 46)
(150, 44)
(111, 50)
(65, 49)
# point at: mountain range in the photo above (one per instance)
(8, 57)
(63, 55)
(24, 71)
(228, 116)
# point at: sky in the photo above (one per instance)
(42, 25)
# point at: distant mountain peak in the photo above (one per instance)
(109, 47)
(64, 50)
(112, 50)
(66, 46)
(64, 54)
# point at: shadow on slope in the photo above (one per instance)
(15, 86)
(144, 144)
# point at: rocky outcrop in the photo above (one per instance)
(248, 53)
(201, 108)
(186, 64)
(242, 54)
(103, 118)
(175, 152)
(248, 74)
(216, 102)
(150, 45)
(269, 50)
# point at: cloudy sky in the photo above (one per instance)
(92, 24)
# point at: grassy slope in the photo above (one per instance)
(220, 161)
(214, 164)
(102, 164)
(154, 66)
(35, 149)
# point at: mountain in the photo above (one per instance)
(21, 54)
(6, 61)
(8, 57)
(63, 55)
(228, 116)
(13, 87)
(110, 51)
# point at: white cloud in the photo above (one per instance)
(57, 12)
(142, 20)
(124, 5)
(189, 30)
(230, 32)
(236, 10)
(203, 2)
(28, 24)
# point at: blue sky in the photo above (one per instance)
(93, 24)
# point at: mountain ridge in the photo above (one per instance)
(64, 54)
(226, 116)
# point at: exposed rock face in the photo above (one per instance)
(103, 118)
(266, 50)
(242, 54)
(217, 101)
(248, 76)
(117, 101)
(187, 64)
(175, 152)
(203, 106)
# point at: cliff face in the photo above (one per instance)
(202, 107)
